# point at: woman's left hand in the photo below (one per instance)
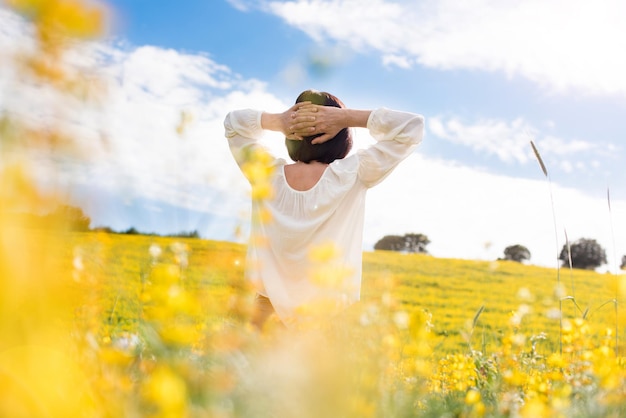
(311, 119)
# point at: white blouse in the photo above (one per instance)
(307, 254)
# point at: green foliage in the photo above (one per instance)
(165, 332)
(390, 243)
(584, 253)
(63, 217)
(72, 217)
(411, 243)
(517, 253)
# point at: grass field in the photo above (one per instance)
(129, 325)
(452, 290)
(103, 325)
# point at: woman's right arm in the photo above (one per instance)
(243, 128)
(247, 125)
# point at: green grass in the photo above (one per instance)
(451, 290)
(158, 326)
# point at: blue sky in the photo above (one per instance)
(488, 76)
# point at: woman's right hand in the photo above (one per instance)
(311, 119)
(284, 122)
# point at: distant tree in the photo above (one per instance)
(585, 254)
(68, 217)
(623, 265)
(412, 243)
(186, 234)
(104, 229)
(416, 243)
(131, 231)
(517, 253)
(390, 243)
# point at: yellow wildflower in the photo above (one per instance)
(324, 252)
(472, 397)
(166, 391)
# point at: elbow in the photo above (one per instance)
(416, 129)
(420, 130)
(229, 131)
(419, 123)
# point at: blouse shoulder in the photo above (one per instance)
(345, 169)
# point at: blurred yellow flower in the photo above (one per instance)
(73, 18)
(330, 275)
(258, 170)
(556, 360)
(114, 356)
(262, 190)
(178, 334)
(165, 391)
(535, 408)
(514, 377)
(472, 397)
(324, 252)
(165, 274)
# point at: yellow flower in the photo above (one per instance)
(534, 408)
(556, 360)
(115, 356)
(165, 274)
(324, 252)
(514, 377)
(68, 17)
(472, 397)
(167, 391)
(180, 334)
(320, 306)
(331, 276)
(262, 190)
(391, 341)
(622, 285)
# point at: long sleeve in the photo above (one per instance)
(328, 215)
(397, 134)
(243, 130)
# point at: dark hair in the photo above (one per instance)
(329, 151)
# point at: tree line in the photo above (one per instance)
(584, 253)
(72, 218)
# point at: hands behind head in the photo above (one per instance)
(307, 119)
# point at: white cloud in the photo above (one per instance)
(468, 213)
(241, 5)
(136, 153)
(559, 146)
(510, 141)
(558, 44)
(397, 60)
(126, 139)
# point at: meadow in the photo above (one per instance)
(104, 325)
(137, 326)
(453, 291)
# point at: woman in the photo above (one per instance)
(306, 235)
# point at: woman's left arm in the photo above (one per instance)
(327, 120)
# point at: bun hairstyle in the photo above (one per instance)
(335, 148)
